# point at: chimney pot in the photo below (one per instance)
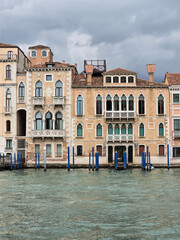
(151, 70)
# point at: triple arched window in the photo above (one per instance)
(79, 105)
(123, 130)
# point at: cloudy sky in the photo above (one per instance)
(127, 33)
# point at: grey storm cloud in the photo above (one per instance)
(127, 33)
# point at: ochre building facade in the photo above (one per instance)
(49, 106)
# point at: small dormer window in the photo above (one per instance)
(33, 53)
(130, 79)
(44, 53)
(49, 65)
(115, 79)
(108, 79)
(123, 79)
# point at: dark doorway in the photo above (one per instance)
(130, 154)
(21, 123)
(110, 154)
(120, 152)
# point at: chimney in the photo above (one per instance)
(63, 61)
(89, 72)
(151, 70)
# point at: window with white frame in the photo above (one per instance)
(59, 149)
(8, 126)
(141, 104)
(176, 98)
(108, 79)
(99, 130)
(98, 104)
(79, 130)
(8, 72)
(21, 89)
(44, 53)
(161, 150)
(38, 89)
(58, 89)
(160, 104)
(161, 130)
(48, 149)
(79, 105)
(48, 77)
(115, 79)
(38, 121)
(176, 125)
(141, 130)
(33, 53)
(130, 79)
(9, 143)
(123, 79)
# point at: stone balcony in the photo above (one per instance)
(8, 58)
(8, 110)
(58, 101)
(176, 134)
(21, 99)
(120, 114)
(38, 101)
(120, 138)
(51, 133)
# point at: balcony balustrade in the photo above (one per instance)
(38, 101)
(58, 101)
(176, 134)
(8, 58)
(8, 110)
(48, 133)
(120, 138)
(21, 100)
(120, 114)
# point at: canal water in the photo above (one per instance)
(79, 204)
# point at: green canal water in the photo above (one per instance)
(79, 204)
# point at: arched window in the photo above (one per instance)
(38, 89)
(99, 130)
(116, 130)
(123, 103)
(79, 130)
(79, 105)
(44, 53)
(108, 79)
(141, 104)
(131, 102)
(115, 79)
(123, 129)
(110, 129)
(116, 103)
(160, 104)
(8, 126)
(130, 130)
(123, 79)
(98, 104)
(108, 103)
(38, 121)
(21, 89)
(8, 100)
(161, 130)
(141, 130)
(8, 72)
(58, 121)
(59, 89)
(33, 53)
(130, 79)
(48, 121)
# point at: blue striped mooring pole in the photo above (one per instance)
(73, 157)
(38, 160)
(125, 160)
(89, 161)
(116, 160)
(18, 160)
(11, 161)
(21, 161)
(93, 158)
(35, 161)
(97, 161)
(14, 161)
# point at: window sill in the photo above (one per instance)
(80, 137)
(60, 156)
(8, 132)
(141, 136)
(161, 136)
(99, 137)
(163, 114)
(79, 115)
(8, 79)
(142, 114)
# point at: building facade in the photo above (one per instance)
(49, 106)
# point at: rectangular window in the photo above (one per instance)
(99, 150)
(48, 149)
(141, 149)
(176, 151)
(48, 77)
(10, 54)
(79, 151)
(161, 150)
(37, 148)
(59, 149)
(176, 125)
(9, 144)
(175, 98)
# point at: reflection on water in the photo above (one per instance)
(79, 204)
